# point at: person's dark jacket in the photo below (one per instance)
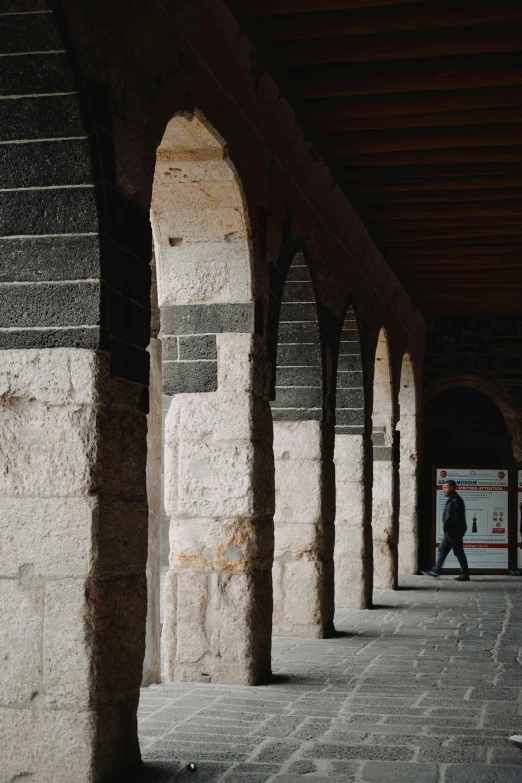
(454, 518)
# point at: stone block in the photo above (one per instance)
(210, 318)
(215, 480)
(115, 617)
(298, 490)
(241, 364)
(47, 450)
(297, 541)
(20, 637)
(297, 440)
(170, 475)
(45, 164)
(39, 73)
(53, 116)
(236, 544)
(349, 500)
(299, 593)
(52, 211)
(54, 535)
(66, 650)
(195, 377)
(170, 623)
(192, 602)
(119, 535)
(197, 347)
(16, 740)
(121, 456)
(63, 376)
(349, 458)
(49, 258)
(203, 271)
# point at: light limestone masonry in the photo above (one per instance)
(152, 662)
(408, 478)
(353, 531)
(304, 531)
(72, 566)
(408, 475)
(384, 525)
(219, 496)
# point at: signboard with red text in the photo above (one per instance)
(485, 493)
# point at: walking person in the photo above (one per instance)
(454, 525)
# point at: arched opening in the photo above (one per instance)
(408, 470)
(303, 557)
(353, 544)
(218, 459)
(384, 518)
(462, 427)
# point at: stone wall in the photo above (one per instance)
(489, 347)
(484, 353)
(74, 326)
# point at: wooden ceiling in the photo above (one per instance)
(417, 108)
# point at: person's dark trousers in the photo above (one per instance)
(446, 545)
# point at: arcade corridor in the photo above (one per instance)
(297, 223)
(425, 688)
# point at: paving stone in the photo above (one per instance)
(424, 689)
(477, 773)
(397, 772)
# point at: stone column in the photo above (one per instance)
(72, 563)
(384, 513)
(353, 530)
(220, 499)
(408, 483)
(304, 530)
(152, 661)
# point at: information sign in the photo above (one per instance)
(485, 493)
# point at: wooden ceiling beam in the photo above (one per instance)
(391, 140)
(399, 46)
(414, 173)
(450, 213)
(447, 221)
(499, 114)
(435, 156)
(444, 188)
(440, 73)
(489, 235)
(409, 103)
(469, 250)
(374, 20)
(264, 8)
(449, 196)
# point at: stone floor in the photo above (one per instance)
(425, 688)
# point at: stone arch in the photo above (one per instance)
(353, 545)
(74, 327)
(218, 433)
(408, 469)
(384, 517)
(303, 557)
(508, 408)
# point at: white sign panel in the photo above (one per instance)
(485, 494)
(519, 520)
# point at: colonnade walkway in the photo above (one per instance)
(425, 688)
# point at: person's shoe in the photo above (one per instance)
(516, 740)
(430, 573)
(463, 578)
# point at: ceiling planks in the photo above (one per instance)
(416, 106)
